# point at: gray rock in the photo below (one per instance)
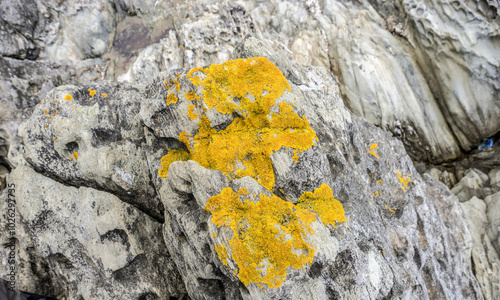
(92, 136)
(493, 214)
(387, 248)
(80, 243)
(474, 183)
(494, 176)
(485, 257)
(404, 235)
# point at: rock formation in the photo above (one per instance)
(268, 190)
(148, 159)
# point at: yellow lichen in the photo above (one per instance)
(256, 132)
(404, 180)
(380, 181)
(167, 160)
(372, 148)
(322, 202)
(258, 246)
(75, 155)
(192, 96)
(295, 156)
(171, 97)
(68, 97)
(92, 92)
(105, 95)
(268, 231)
(222, 253)
(191, 114)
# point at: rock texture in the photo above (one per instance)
(426, 71)
(386, 232)
(392, 59)
(81, 243)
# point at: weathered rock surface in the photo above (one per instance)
(392, 58)
(427, 71)
(404, 235)
(95, 139)
(80, 243)
(485, 257)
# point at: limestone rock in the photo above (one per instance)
(472, 184)
(493, 214)
(485, 258)
(193, 145)
(92, 136)
(76, 243)
(394, 215)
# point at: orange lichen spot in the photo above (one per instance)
(390, 209)
(75, 155)
(167, 160)
(222, 253)
(404, 180)
(192, 96)
(46, 126)
(47, 111)
(322, 202)
(115, 83)
(171, 99)
(258, 246)
(295, 156)
(71, 158)
(372, 148)
(73, 108)
(90, 99)
(53, 139)
(191, 114)
(50, 118)
(376, 194)
(68, 97)
(105, 95)
(92, 92)
(380, 181)
(54, 114)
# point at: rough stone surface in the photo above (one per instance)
(95, 140)
(484, 256)
(74, 243)
(472, 184)
(395, 244)
(392, 62)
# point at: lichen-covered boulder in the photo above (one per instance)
(267, 186)
(354, 218)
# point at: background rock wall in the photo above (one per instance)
(425, 71)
